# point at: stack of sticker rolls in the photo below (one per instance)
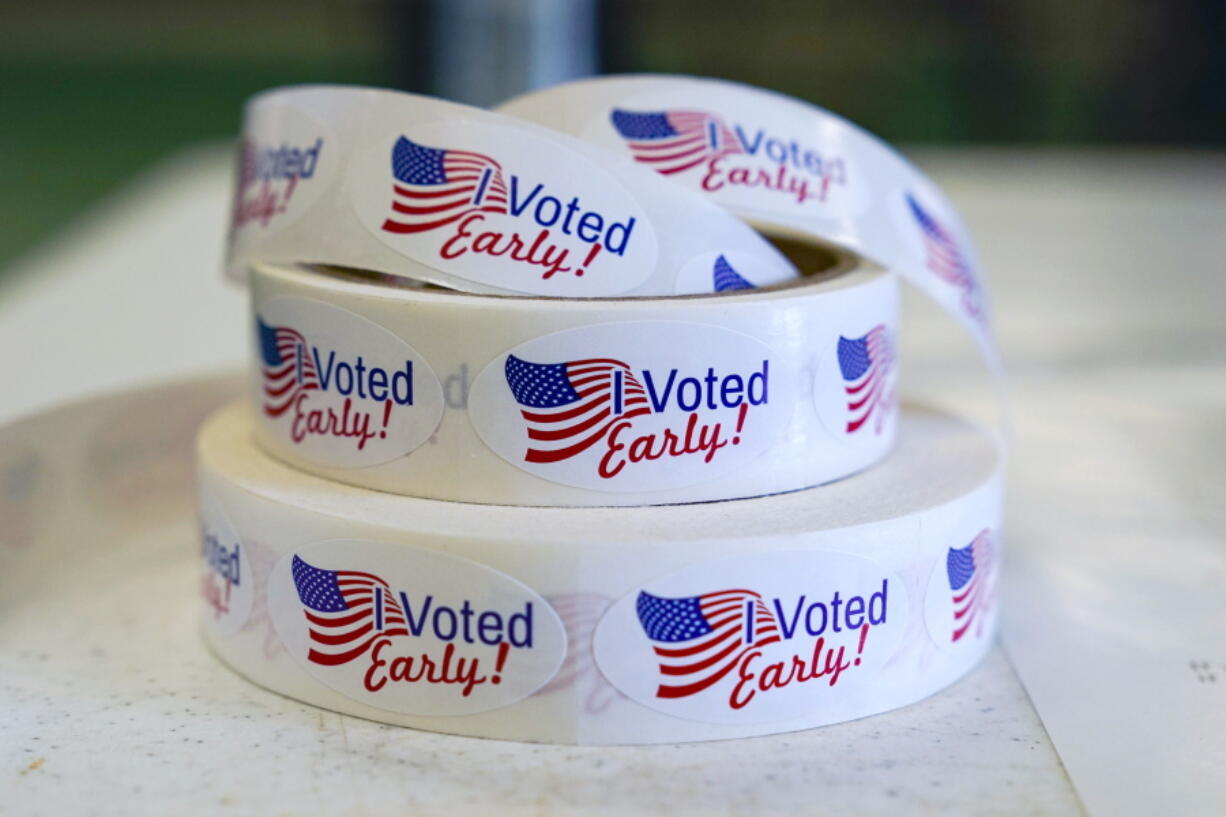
(577, 422)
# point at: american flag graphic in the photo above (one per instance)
(286, 365)
(435, 186)
(700, 639)
(866, 363)
(725, 279)
(969, 570)
(674, 141)
(346, 610)
(570, 406)
(944, 258)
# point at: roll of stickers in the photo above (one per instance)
(599, 626)
(475, 201)
(597, 402)
(788, 167)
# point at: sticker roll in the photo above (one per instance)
(472, 200)
(593, 402)
(604, 626)
(788, 167)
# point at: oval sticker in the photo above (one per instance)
(498, 206)
(412, 630)
(729, 271)
(755, 638)
(227, 585)
(285, 161)
(855, 384)
(960, 607)
(723, 142)
(641, 406)
(338, 389)
(936, 244)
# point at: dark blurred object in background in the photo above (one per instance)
(1044, 71)
(93, 91)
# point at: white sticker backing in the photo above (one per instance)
(755, 638)
(640, 406)
(410, 630)
(339, 389)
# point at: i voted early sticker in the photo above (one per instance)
(226, 580)
(939, 249)
(756, 638)
(285, 162)
(339, 389)
(496, 206)
(410, 630)
(721, 140)
(642, 406)
(728, 271)
(855, 385)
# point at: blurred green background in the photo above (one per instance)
(91, 92)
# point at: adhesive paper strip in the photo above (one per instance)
(525, 401)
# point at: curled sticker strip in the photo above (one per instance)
(622, 625)
(787, 167)
(442, 193)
